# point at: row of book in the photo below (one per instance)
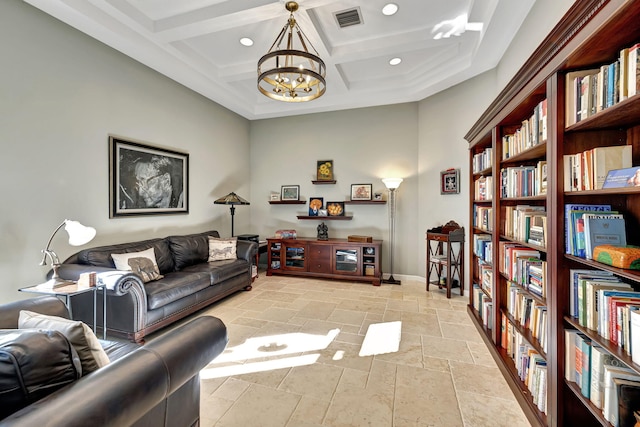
(530, 364)
(483, 188)
(483, 160)
(483, 217)
(529, 313)
(588, 170)
(526, 223)
(590, 225)
(509, 256)
(483, 305)
(482, 247)
(609, 384)
(603, 303)
(524, 181)
(532, 132)
(591, 91)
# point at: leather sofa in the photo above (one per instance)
(190, 283)
(156, 384)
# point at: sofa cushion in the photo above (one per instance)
(101, 256)
(174, 286)
(143, 263)
(81, 337)
(221, 249)
(220, 271)
(190, 249)
(33, 364)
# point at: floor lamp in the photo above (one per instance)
(392, 185)
(231, 199)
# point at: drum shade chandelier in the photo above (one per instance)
(291, 73)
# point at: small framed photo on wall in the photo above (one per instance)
(290, 192)
(450, 181)
(361, 191)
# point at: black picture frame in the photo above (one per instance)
(450, 181)
(146, 180)
(289, 192)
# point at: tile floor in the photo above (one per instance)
(293, 360)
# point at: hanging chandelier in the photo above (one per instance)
(288, 73)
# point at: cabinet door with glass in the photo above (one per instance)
(295, 257)
(347, 260)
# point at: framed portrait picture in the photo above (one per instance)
(361, 191)
(450, 181)
(325, 170)
(290, 192)
(335, 208)
(146, 180)
(315, 205)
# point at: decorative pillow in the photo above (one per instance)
(143, 263)
(220, 249)
(81, 337)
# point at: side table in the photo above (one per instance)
(445, 256)
(66, 291)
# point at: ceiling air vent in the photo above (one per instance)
(348, 17)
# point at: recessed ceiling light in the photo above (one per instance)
(389, 9)
(246, 41)
(395, 61)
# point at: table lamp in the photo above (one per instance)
(232, 199)
(78, 236)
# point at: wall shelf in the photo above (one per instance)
(365, 202)
(327, 218)
(287, 202)
(323, 182)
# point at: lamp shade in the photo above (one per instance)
(392, 183)
(78, 234)
(231, 199)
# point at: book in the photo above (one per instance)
(573, 78)
(585, 387)
(592, 286)
(633, 74)
(604, 229)
(609, 158)
(570, 354)
(618, 178)
(604, 304)
(599, 357)
(610, 404)
(628, 401)
(634, 315)
(579, 338)
(575, 275)
(568, 209)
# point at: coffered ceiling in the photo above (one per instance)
(197, 43)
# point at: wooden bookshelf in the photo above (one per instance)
(590, 35)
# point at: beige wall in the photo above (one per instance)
(366, 145)
(61, 94)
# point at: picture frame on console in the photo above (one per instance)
(361, 191)
(290, 192)
(146, 180)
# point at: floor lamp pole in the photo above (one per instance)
(392, 234)
(233, 212)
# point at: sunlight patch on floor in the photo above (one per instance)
(271, 346)
(381, 338)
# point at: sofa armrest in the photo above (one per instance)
(131, 386)
(49, 305)
(246, 250)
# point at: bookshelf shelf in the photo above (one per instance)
(604, 343)
(595, 412)
(589, 38)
